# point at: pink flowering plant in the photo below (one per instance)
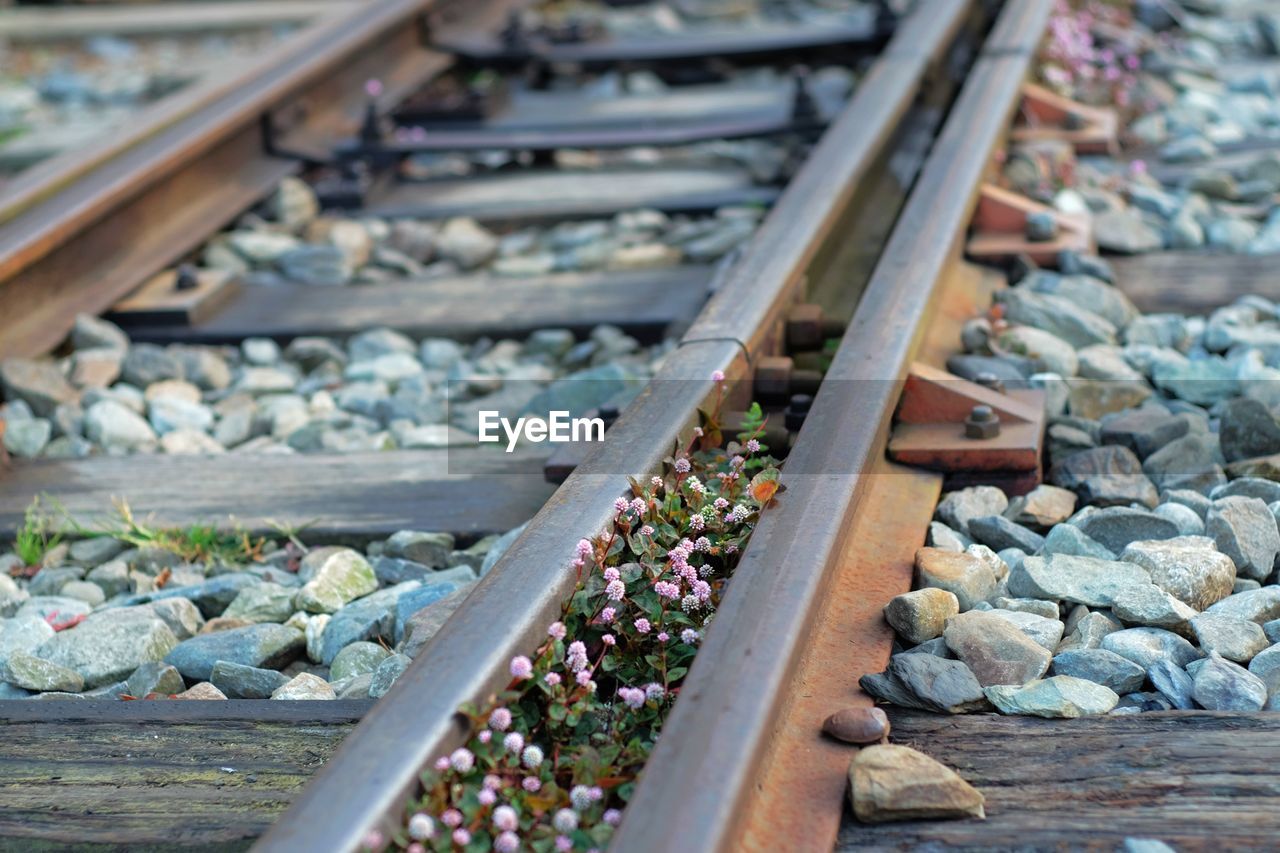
(555, 756)
(1080, 63)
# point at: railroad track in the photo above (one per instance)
(740, 763)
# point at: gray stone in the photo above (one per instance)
(1187, 567)
(1192, 500)
(1247, 430)
(146, 364)
(1060, 696)
(117, 429)
(994, 649)
(969, 578)
(1043, 506)
(1043, 609)
(1105, 476)
(1224, 686)
(211, 597)
(1267, 491)
(1272, 630)
(22, 634)
(1049, 352)
(1183, 517)
(1266, 665)
(1057, 315)
(1082, 580)
(998, 532)
(1071, 540)
(1125, 232)
(356, 659)
(356, 687)
(1089, 292)
(386, 674)
(108, 646)
(942, 536)
(1101, 667)
(936, 646)
(50, 581)
(1245, 531)
(333, 577)
(53, 608)
(40, 384)
(238, 681)
(1145, 646)
(956, 509)
(90, 332)
(265, 602)
(500, 548)
(1203, 381)
(1045, 631)
(1143, 430)
(1116, 526)
(1173, 683)
(938, 684)
(96, 550)
(1089, 632)
(391, 571)
(180, 614)
(369, 618)
(424, 624)
(429, 549)
(154, 677)
(1147, 604)
(263, 646)
(25, 670)
(1235, 639)
(1257, 605)
(305, 686)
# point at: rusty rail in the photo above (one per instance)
(704, 794)
(135, 205)
(467, 659)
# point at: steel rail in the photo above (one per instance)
(369, 781)
(704, 769)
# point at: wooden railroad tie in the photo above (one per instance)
(973, 433)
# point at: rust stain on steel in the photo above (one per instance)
(798, 801)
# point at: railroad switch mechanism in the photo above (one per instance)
(1044, 114)
(1007, 224)
(973, 433)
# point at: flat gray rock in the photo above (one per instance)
(265, 646)
(239, 681)
(1245, 530)
(1061, 696)
(1257, 605)
(1101, 667)
(998, 532)
(1235, 639)
(1116, 527)
(995, 650)
(108, 647)
(1146, 646)
(957, 508)
(1105, 476)
(1071, 540)
(1150, 605)
(1173, 683)
(386, 675)
(1224, 686)
(1082, 580)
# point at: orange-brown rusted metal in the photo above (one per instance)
(1047, 115)
(999, 226)
(798, 798)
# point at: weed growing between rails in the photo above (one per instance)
(556, 755)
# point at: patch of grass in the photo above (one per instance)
(36, 537)
(195, 543)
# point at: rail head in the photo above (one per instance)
(467, 660)
(696, 798)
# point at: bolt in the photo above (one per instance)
(797, 409)
(990, 381)
(186, 278)
(982, 422)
